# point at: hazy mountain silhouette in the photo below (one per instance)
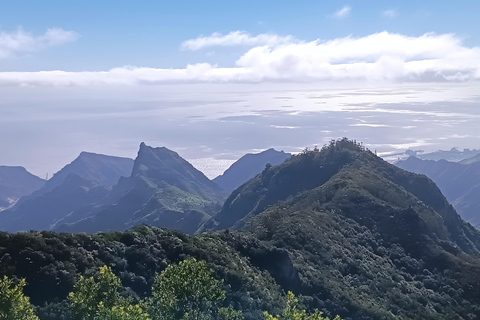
(458, 181)
(16, 182)
(83, 182)
(45, 211)
(248, 167)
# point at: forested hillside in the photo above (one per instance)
(345, 231)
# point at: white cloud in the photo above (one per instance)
(235, 38)
(21, 42)
(342, 13)
(390, 13)
(381, 56)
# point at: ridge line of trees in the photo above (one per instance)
(187, 290)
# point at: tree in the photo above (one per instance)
(91, 294)
(13, 304)
(188, 290)
(130, 312)
(292, 312)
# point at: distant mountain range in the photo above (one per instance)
(86, 180)
(346, 231)
(248, 167)
(453, 154)
(458, 181)
(16, 182)
(99, 193)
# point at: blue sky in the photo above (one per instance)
(150, 33)
(217, 79)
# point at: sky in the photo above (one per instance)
(214, 80)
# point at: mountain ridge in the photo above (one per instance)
(459, 182)
(16, 182)
(247, 167)
(346, 231)
(163, 190)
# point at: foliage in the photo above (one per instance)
(292, 312)
(229, 313)
(187, 290)
(129, 312)
(345, 231)
(13, 304)
(94, 294)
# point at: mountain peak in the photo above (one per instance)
(248, 167)
(163, 190)
(346, 174)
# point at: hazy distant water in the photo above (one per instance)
(46, 128)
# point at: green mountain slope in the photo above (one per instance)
(367, 239)
(347, 232)
(164, 190)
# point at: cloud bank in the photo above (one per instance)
(21, 42)
(381, 56)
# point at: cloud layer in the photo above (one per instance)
(381, 56)
(21, 42)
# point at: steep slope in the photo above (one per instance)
(164, 190)
(459, 182)
(367, 240)
(51, 208)
(79, 184)
(248, 167)
(16, 182)
(104, 170)
(344, 230)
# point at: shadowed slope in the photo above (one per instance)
(164, 190)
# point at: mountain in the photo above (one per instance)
(347, 232)
(458, 181)
(248, 167)
(16, 182)
(163, 190)
(471, 160)
(104, 170)
(81, 183)
(453, 154)
(362, 238)
(46, 211)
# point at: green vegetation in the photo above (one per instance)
(346, 232)
(97, 295)
(186, 290)
(183, 291)
(292, 312)
(13, 304)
